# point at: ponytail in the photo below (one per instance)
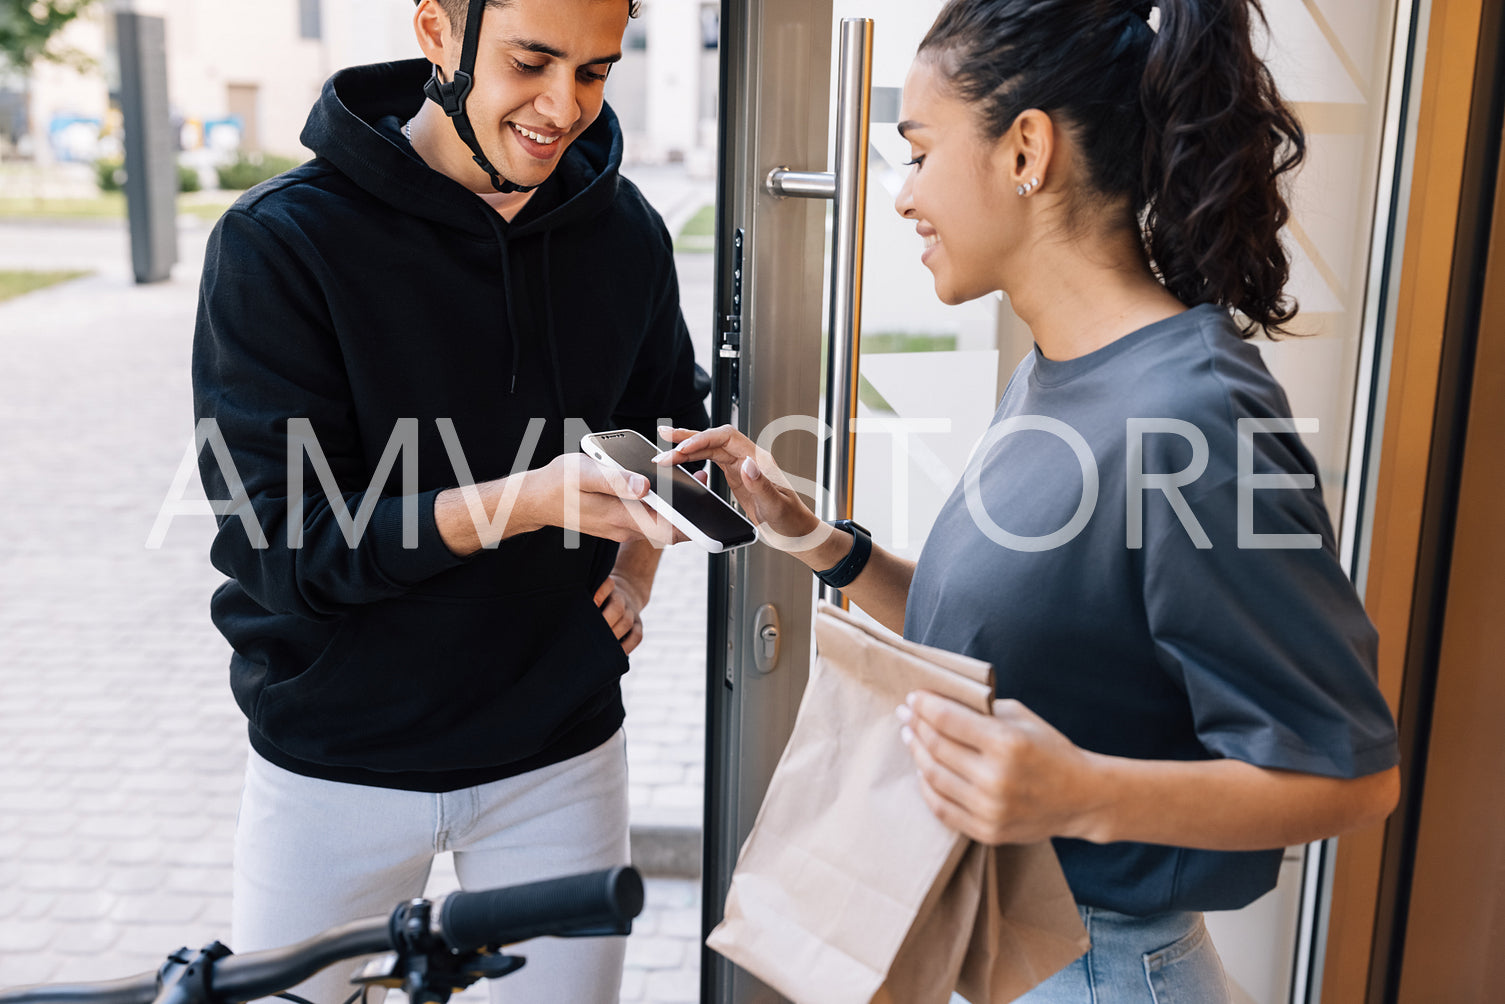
(1218, 141)
(1215, 137)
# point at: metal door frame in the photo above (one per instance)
(762, 375)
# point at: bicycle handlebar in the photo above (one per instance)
(261, 974)
(597, 904)
(131, 990)
(589, 905)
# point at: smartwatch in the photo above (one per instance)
(844, 571)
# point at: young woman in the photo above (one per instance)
(1185, 673)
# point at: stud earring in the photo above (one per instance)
(1029, 187)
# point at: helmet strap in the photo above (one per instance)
(451, 95)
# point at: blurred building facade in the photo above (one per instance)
(244, 73)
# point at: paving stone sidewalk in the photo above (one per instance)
(121, 751)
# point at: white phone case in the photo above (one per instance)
(678, 520)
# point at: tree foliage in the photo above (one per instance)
(29, 28)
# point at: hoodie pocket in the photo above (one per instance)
(434, 683)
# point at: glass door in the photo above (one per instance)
(928, 376)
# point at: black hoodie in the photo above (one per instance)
(363, 291)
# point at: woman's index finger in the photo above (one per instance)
(950, 718)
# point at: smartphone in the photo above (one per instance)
(694, 509)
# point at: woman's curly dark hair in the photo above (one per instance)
(1184, 123)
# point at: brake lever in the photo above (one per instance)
(423, 967)
(491, 967)
(435, 978)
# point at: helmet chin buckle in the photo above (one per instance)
(449, 94)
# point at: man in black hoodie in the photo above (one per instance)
(426, 668)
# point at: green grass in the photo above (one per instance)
(103, 206)
(14, 284)
(903, 341)
(108, 206)
(698, 235)
(205, 210)
(880, 342)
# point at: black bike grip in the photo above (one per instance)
(589, 905)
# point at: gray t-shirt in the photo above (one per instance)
(1139, 622)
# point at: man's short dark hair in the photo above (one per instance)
(457, 9)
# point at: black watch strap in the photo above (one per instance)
(844, 571)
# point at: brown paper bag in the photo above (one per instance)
(1027, 927)
(848, 888)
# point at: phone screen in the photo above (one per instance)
(678, 488)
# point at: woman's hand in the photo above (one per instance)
(622, 607)
(1012, 778)
(785, 522)
(1006, 779)
(755, 479)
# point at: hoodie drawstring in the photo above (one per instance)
(548, 309)
(515, 331)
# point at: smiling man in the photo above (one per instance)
(515, 97)
(451, 292)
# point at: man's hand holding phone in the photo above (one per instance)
(604, 502)
(572, 491)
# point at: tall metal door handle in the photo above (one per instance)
(847, 186)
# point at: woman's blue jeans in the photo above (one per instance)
(1167, 958)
